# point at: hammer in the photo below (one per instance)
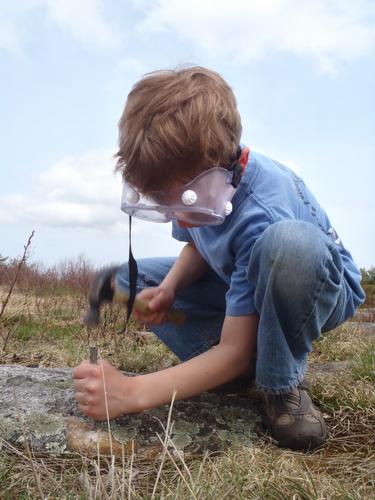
(102, 291)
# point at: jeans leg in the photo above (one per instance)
(297, 273)
(203, 303)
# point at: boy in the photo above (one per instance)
(262, 272)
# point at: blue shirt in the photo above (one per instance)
(268, 192)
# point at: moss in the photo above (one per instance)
(42, 425)
(8, 428)
(184, 427)
(182, 440)
(64, 384)
(44, 432)
(124, 433)
(184, 432)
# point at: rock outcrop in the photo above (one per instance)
(37, 405)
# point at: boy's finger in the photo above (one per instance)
(141, 315)
(154, 304)
(79, 384)
(146, 294)
(85, 409)
(85, 370)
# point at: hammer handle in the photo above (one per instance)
(174, 316)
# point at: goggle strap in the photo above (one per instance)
(133, 274)
(237, 170)
(133, 278)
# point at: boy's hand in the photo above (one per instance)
(89, 390)
(159, 300)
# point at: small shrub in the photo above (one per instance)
(369, 290)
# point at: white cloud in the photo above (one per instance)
(88, 178)
(327, 31)
(74, 206)
(75, 192)
(83, 20)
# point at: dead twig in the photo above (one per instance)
(19, 266)
(18, 270)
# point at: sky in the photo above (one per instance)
(303, 72)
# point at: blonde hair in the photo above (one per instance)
(175, 124)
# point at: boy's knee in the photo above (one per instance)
(291, 242)
(292, 252)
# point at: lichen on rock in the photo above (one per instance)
(38, 404)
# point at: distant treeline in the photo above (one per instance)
(71, 276)
(74, 276)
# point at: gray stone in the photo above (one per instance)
(37, 405)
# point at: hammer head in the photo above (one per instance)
(101, 291)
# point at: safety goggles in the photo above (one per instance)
(206, 200)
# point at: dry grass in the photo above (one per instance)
(46, 330)
(341, 470)
(341, 344)
(43, 323)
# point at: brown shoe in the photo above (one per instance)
(294, 422)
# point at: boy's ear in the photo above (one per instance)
(244, 158)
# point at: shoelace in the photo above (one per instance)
(289, 398)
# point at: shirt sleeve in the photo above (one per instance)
(180, 234)
(240, 296)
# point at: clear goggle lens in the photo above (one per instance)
(206, 200)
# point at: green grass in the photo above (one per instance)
(27, 330)
(334, 394)
(363, 365)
